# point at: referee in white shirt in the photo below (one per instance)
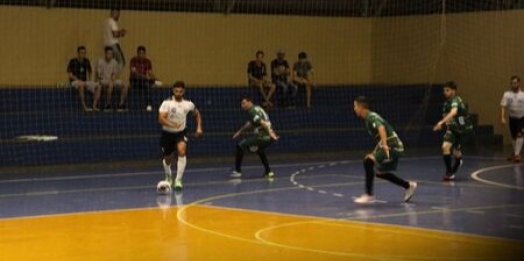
(513, 102)
(112, 34)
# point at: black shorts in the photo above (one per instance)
(169, 141)
(515, 126)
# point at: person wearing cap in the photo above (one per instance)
(280, 75)
(257, 77)
(457, 122)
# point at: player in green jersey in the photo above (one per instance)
(456, 118)
(386, 154)
(264, 136)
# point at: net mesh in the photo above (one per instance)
(396, 52)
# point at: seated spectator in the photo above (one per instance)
(280, 74)
(141, 76)
(108, 76)
(303, 76)
(79, 71)
(257, 76)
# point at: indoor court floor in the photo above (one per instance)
(305, 213)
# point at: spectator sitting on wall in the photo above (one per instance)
(79, 72)
(141, 76)
(303, 76)
(108, 76)
(257, 76)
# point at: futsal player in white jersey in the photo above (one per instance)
(172, 115)
(513, 103)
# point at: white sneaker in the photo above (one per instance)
(410, 191)
(364, 199)
(149, 108)
(235, 174)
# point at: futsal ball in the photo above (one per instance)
(163, 187)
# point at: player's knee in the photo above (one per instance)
(446, 148)
(369, 162)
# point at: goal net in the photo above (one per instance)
(398, 53)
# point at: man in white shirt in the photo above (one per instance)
(112, 34)
(513, 102)
(108, 76)
(172, 115)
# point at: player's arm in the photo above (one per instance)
(246, 126)
(383, 139)
(266, 125)
(198, 119)
(503, 115)
(162, 119)
(452, 113)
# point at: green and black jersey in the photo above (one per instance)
(374, 121)
(256, 115)
(460, 122)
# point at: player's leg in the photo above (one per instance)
(181, 162)
(389, 165)
(369, 169)
(519, 140)
(514, 130)
(239, 156)
(261, 145)
(447, 145)
(457, 153)
(168, 143)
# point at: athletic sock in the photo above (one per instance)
(457, 163)
(518, 146)
(238, 158)
(447, 162)
(394, 179)
(167, 168)
(370, 175)
(263, 158)
(180, 167)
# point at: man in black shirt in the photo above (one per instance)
(79, 71)
(257, 76)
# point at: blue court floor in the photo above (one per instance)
(487, 199)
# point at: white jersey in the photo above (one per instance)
(514, 103)
(110, 25)
(176, 113)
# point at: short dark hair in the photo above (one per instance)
(115, 9)
(179, 84)
(246, 97)
(515, 77)
(141, 48)
(79, 48)
(259, 52)
(302, 55)
(363, 101)
(451, 84)
(108, 48)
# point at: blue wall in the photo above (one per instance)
(93, 137)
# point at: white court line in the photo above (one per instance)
(476, 176)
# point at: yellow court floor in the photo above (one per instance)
(200, 232)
